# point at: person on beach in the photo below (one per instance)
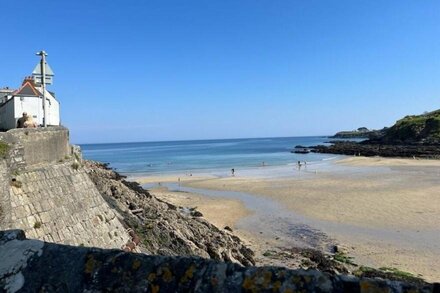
(299, 166)
(232, 172)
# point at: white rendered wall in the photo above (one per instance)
(13, 110)
(31, 105)
(34, 106)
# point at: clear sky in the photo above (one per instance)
(138, 70)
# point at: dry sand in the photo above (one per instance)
(386, 210)
(220, 212)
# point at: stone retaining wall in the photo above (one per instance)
(46, 192)
(59, 203)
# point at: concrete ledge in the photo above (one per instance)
(34, 266)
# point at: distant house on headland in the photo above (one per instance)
(28, 98)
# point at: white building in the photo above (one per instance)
(28, 98)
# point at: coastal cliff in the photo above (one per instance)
(411, 136)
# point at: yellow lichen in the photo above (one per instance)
(188, 274)
(167, 275)
(276, 286)
(267, 278)
(154, 288)
(368, 287)
(90, 264)
(136, 264)
(248, 284)
(151, 277)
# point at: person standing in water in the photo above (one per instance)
(299, 166)
(233, 172)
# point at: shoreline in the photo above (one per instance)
(382, 210)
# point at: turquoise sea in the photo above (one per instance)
(202, 156)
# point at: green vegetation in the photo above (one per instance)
(387, 273)
(77, 157)
(4, 148)
(75, 165)
(269, 253)
(343, 258)
(423, 128)
(396, 272)
(37, 225)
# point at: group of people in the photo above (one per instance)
(301, 164)
(26, 121)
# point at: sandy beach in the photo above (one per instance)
(386, 212)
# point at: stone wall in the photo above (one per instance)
(35, 266)
(4, 189)
(45, 192)
(59, 203)
(40, 145)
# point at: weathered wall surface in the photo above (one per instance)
(57, 203)
(46, 193)
(41, 145)
(4, 188)
(34, 266)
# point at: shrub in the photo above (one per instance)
(75, 165)
(37, 225)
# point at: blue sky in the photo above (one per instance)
(169, 70)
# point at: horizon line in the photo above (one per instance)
(204, 139)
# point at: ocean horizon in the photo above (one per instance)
(207, 156)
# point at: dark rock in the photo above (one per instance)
(368, 150)
(36, 266)
(228, 228)
(162, 228)
(196, 214)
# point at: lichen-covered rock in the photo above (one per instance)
(161, 227)
(36, 266)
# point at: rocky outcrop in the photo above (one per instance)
(369, 149)
(411, 136)
(361, 132)
(161, 228)
(36, 266)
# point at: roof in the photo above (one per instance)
(27, 89)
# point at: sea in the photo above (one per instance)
(214, 156)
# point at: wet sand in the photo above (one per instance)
(385, 211)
